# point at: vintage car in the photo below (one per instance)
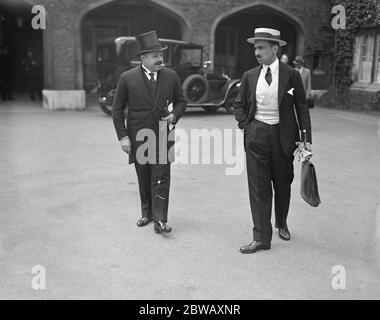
(201, 88)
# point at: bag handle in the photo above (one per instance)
(304, 138)
(304, 143)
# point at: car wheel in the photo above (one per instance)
(229, 104)
(195, 88)
(106, 104)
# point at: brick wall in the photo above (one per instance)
(62, 43)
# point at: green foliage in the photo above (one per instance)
(358, 14)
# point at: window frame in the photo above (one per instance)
(374, 34)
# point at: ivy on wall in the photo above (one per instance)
(358, 14)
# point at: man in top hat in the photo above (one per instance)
(305, 75)
(149, 92)
(270, 96)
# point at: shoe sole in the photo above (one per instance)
(283, 238)
(247, 252)
(143, 225)
(159, 230)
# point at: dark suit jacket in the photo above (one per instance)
(289, 105)
(143, 105)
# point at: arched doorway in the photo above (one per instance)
(123, 18)
(17, 37)
(233, 54)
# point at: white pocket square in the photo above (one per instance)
(291, 91)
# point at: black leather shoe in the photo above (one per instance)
(255, 246)
(144, 221)
(160, 227)
(284, 233)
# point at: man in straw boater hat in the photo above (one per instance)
(154, 100)
(270, 96)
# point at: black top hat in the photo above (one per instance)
(148, 42)
(298, 60)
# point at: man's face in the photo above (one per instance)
(153, 60)
(299, 66)
(265, 52)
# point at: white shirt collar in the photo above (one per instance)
(147, 72)
(273, 66)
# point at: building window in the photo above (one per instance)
(368, 57)
(377, 60)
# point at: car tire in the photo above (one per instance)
(107, 105)
(231, 96)
(195, 88)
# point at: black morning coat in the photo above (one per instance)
(144, 107)
(289, 105)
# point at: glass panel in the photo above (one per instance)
(366, 58)
(232, 42)
(191, 57)
(220, 41)
(131, 52)
(103, 54)
(377, 77)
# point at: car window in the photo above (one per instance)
(131, 52)
(190, 57)
(103, 54)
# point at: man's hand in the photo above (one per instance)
(125, 144)
(170, 118)
(303, 152)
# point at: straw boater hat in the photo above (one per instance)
(268, 35)
(148, 42)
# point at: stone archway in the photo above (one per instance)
(229, 49)
(104, 18)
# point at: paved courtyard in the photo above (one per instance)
(69, 202)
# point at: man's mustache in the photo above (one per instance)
(159, 63)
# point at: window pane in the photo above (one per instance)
(191, 57)
(366, 58)
(377, 77)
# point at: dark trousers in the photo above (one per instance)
(268, 169)
(154, 185)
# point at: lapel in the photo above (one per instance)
(146, 85)
(160, 84)
(252, 80)
(283, 80)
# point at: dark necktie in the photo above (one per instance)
(153, 82)
(268, 76)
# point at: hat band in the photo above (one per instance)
(266, 35)
(155, 47)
